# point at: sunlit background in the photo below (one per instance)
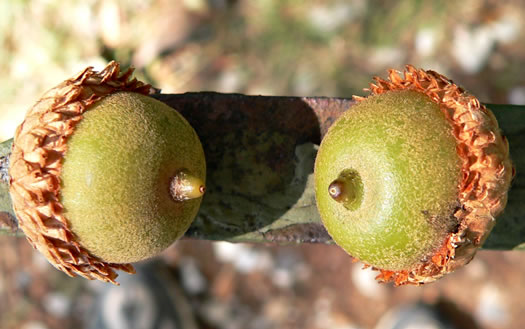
(266, 47)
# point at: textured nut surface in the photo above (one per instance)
(399, 148)
(486, 171)
(116, 177)
(36, 160)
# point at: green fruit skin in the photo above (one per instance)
(403, 149)
(116, 175)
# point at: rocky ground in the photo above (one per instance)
(240, 286)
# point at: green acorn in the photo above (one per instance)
(411, 178)
(103, 175)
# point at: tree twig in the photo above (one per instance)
(260, 152)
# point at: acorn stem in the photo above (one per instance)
(347, 189)
(185, 186)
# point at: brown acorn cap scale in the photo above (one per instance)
(36, 161)
(486, 171)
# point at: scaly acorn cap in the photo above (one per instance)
(36, 161)
(484, 172)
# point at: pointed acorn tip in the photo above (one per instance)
(185, 186)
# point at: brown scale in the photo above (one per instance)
(36, 160)
(486, 167)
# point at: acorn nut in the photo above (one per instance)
(411, 178)
(103, 175)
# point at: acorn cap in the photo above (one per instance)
(486, 171)
(36, 162)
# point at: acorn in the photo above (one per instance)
(411, 178)
(103, 175)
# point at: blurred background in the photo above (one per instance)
(264, 47)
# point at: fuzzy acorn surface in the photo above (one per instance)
(411, 179)
(116, 177)
(400, 149)
(102, 175)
